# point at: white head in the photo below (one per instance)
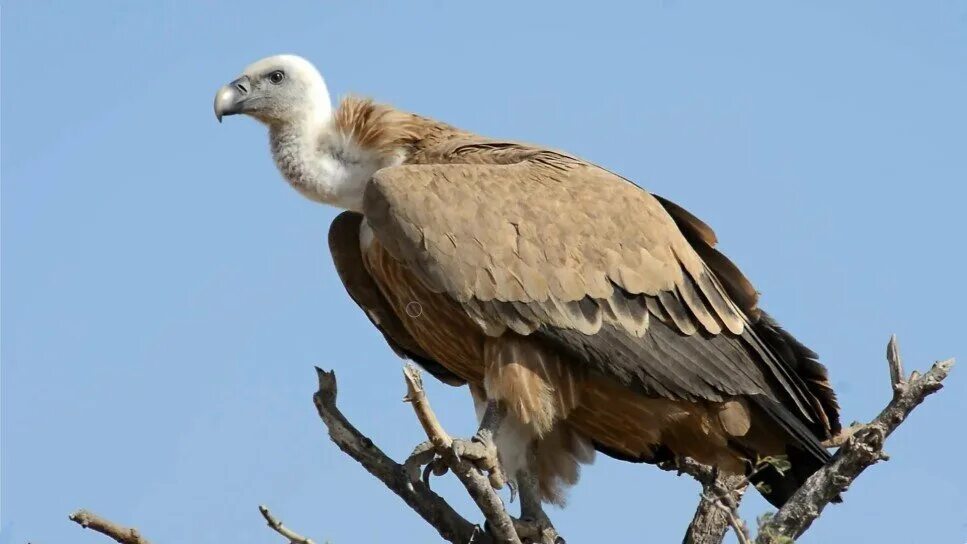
(286, 93)
(283, 89)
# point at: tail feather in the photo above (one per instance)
(804, 452)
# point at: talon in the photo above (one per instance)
(497, 480)
(439, 467)
(427, 470)
(481, 452)
(436, 467)
(453, 449)
(423, 454)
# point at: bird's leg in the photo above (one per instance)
(528, 487)
(533, 524)
(480, 450)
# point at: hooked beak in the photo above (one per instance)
(230, 99)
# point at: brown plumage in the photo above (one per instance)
(597, 312)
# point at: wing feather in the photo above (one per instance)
(675, 308)
(590, 262)
(347, 256)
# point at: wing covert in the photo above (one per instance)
(556, 246)
(347, 256)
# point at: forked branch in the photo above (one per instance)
(417, 495)
(862, 449)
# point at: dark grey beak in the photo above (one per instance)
(230, 99)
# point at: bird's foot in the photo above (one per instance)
(479, 451)
(537, 530)
(424, 455)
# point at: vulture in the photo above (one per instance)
(583, 312)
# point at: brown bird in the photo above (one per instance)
(583, 312)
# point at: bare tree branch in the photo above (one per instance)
(843, 436)
(861, 447)
(727, 500)
(430, 506)
(711, 522)
(861, 450)
(276, 525)
(478, 486)
(121, 534)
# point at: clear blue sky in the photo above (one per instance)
(165, 294)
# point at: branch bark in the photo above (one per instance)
(861, 450)
(120, 534)
(478, 486)
(277, 526)
(711, 521)
(451, 526)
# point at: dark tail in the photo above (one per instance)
(803, 451)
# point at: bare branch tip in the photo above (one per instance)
(118, 533)
(80, 517)
(895, 361)
(276, 525)
(413, 375)
(861, 450)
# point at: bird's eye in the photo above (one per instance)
(277, 76)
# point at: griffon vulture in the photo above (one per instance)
(583, 312)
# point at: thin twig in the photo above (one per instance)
(478, 485)
(718, 507)
(121, 534)
(421, 406)
(276, 525)
(863, 449)
(842, 436)
(730, 511)
(710, 522)
(431, 507)
(739, 527)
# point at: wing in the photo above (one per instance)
(346, 254)
(783, 345)
(542, 243)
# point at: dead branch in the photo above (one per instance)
(711, 521)
(478, 486)
(842, 436)
(861, 450)
(418, 496)
(709, 524)
(861, 447)
(121, 534)
(276, 525)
